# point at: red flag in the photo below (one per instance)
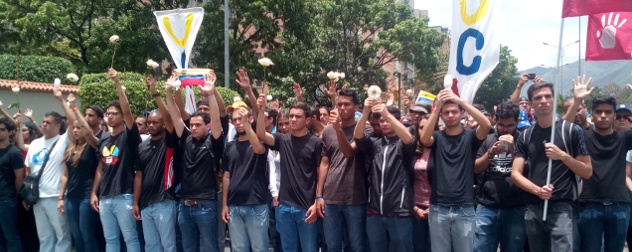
(609, 36)
(573, 8)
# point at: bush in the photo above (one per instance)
(36, 68)
(97, 89)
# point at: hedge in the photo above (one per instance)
(97, 89)
(36, 68)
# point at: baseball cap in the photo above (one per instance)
(422, 107)
(623, 106)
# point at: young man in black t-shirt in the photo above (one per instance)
(604, 208)
(300, 193)
(153, 184)
(197, 215)
(245, 192)
(114, 178)
(500, 210)
(389, 222)
(569, 157)
(451, 215)
(11, 177)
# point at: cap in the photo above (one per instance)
(623, 106)
(235, 105)
(523, 119)
(422, 107)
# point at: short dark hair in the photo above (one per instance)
(314, 111)
(7, 123)
(604, 99)
(303, 106)
(116, 104)
(394, 111)
(56, 117)
(352, 93)
(97, 109)
(538, 85)
(203, 101)
(283, 113)
(508, 109)
(205, 117)
(451, 102)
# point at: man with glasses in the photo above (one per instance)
(417, 112)
(622, 118)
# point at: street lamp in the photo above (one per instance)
(561, 60)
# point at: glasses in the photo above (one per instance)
(112, 113)
(523, 103)
(626, 117)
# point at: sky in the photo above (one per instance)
(525, 26)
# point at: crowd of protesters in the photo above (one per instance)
(359, 176)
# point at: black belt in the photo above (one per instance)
(193, 202)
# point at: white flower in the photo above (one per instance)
(374, 92)
(410, 92)
(72, 77)
(15, 89)
(124, 88)
(333, 75)
(0, 103)
(153, 64)
(269, 97)
(176, 84)
(57, 82)
(266, 62)
(114, 39)
(342, 75)
(236, 99)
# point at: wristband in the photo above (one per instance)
(155, 94)
(60, 199)
(319, 197)
(74, 109)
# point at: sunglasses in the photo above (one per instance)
(619, 117)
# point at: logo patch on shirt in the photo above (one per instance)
(110, 156)
(40, 156)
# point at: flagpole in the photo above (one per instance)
(226, 46)
(559, 81)
(579, 50)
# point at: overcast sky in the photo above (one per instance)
(525, 26)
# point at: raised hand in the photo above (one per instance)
(169, 84)
(243, 80)
(581, 87)
(113, 74)
(57, 92)
(334, 118)
(211, 77)
(72, 100)
(331, 88)
(28, 112)
(369, 103)
(379, 109)
(151, 83)
(209, 85)
(298, 90)
(261, 101)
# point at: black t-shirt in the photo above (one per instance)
(497, 188)
(300, 158)
(118, 154)
(10, 159)
(452, 176)
(530, 146)
(153, 155)
(81, 176)
(607, 154)
(248, 177)
(199, 169)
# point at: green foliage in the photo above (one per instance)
(226, 93)
(501, 83)
(36, 68)
(102, 77)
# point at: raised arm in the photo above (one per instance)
(244, 82)
(181, 105)
(125, 108)
(174, 112)
(358, 133)
(86, 131)
(398, 127)
(70, 116)
(211, 93)
(426, 137)
(332, 92)
(581, 92)
(483, 123)
(515, 96)
(257, 147)
(221, 106)
(162, 107)
(261, 127)
(19, 138)
(29, 114)
(348, 149)
(298, 91)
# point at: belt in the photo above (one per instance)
(192, 202)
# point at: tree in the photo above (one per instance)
(500, 83)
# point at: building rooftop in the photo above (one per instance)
(31, 85)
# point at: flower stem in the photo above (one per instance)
(113, 54)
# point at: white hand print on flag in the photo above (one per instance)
(607, 38)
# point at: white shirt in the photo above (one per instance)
(39, 148)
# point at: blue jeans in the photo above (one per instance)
(355, 218)
(603, 225)
(159, 226)
(499, 225)
(248, 227)
(554, 234)
(83, 221)
(116, 218)
(198, 221)
(421, 232)
(452, 228)
(293, 229)
(8, 225)
(52, 227)
(395, 233)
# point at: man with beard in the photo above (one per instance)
(153, 188)
(500, 212)
(94, 117)
(245, 196)
(604, 209)
(579, 117)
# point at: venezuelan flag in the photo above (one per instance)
(192, 76)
